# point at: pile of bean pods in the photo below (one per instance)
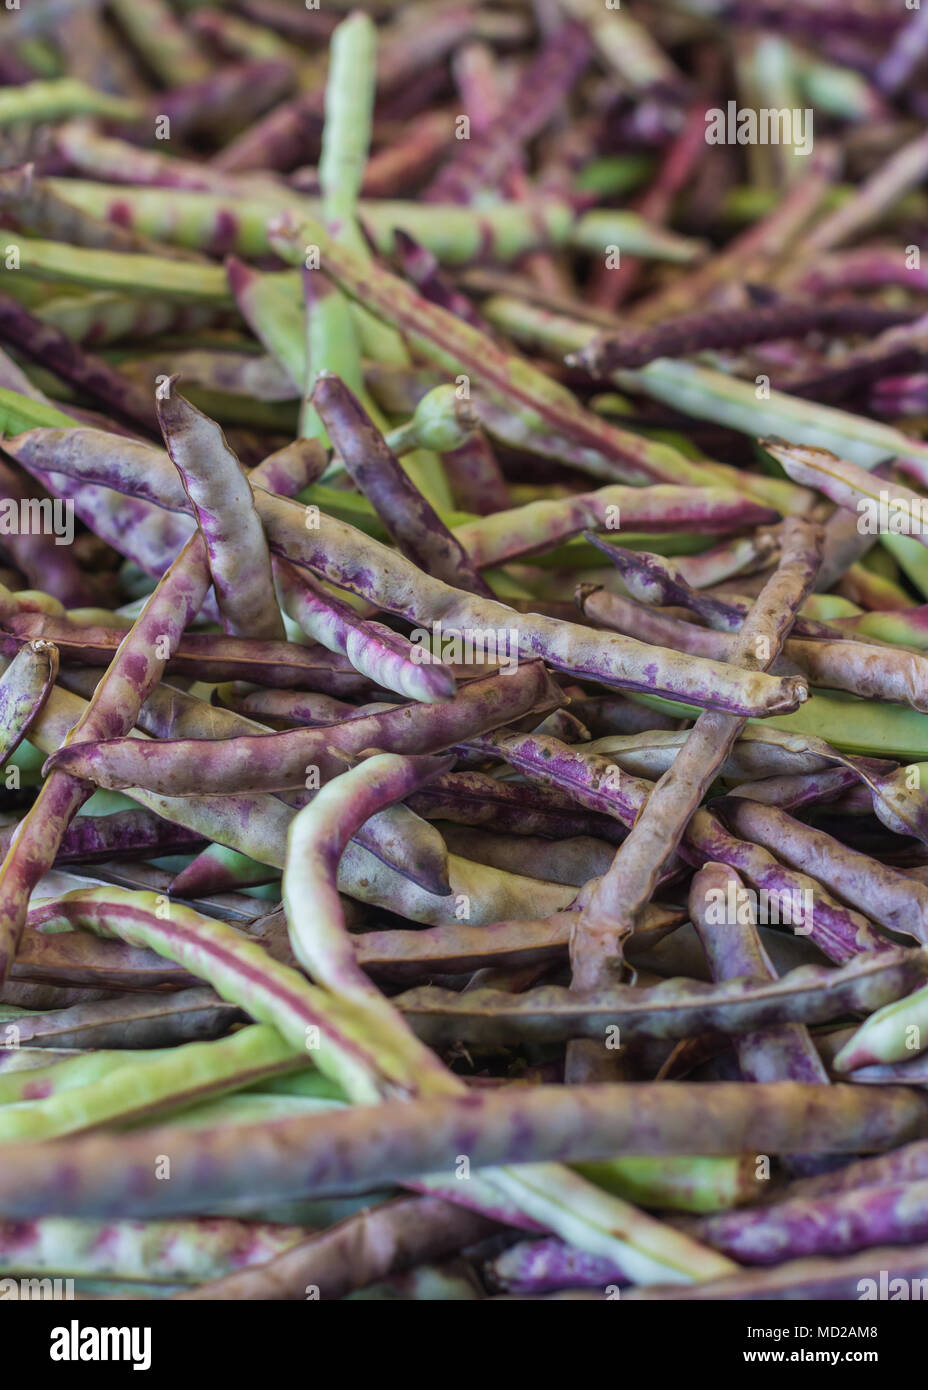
(464, 648)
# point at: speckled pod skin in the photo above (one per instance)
(878, 1273)
(507, 535)
(676, 1008)
(413, 523)
(24, 687)
(338, 553)
(174, 1252)
(272, 761)
(889, 898)
(122, 834)
(373, 649)
(838, 931)
(136, 667)
(837, 1224)
(222, 501)
(357, 1252)
(735, 949)
(345, 1151)
(44, 343)
(615, 902)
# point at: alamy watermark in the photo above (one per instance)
(767, 125)
(735, 905)
(467, 646)
(35, 1288)
(38, 516)
(900, 516)
(887, 1289)
(77, 1343)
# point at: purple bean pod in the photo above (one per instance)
(482, 161)
(222, 501)
(373, 649)
(338, 553)
(734, 328)
(110, 1175)
(288, 470)
(207, 654)
(676, 1008)
(891, 899)
(45, 562)
(24, 688)
(135, 669)
(412, 522)
(611, 908)
(47, 345)
(272, 761)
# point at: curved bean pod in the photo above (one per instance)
(24, 688)
(411, 520)
(223, 503)
(237, 968)
(890, 898)
(372, 648)
(136, 667)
